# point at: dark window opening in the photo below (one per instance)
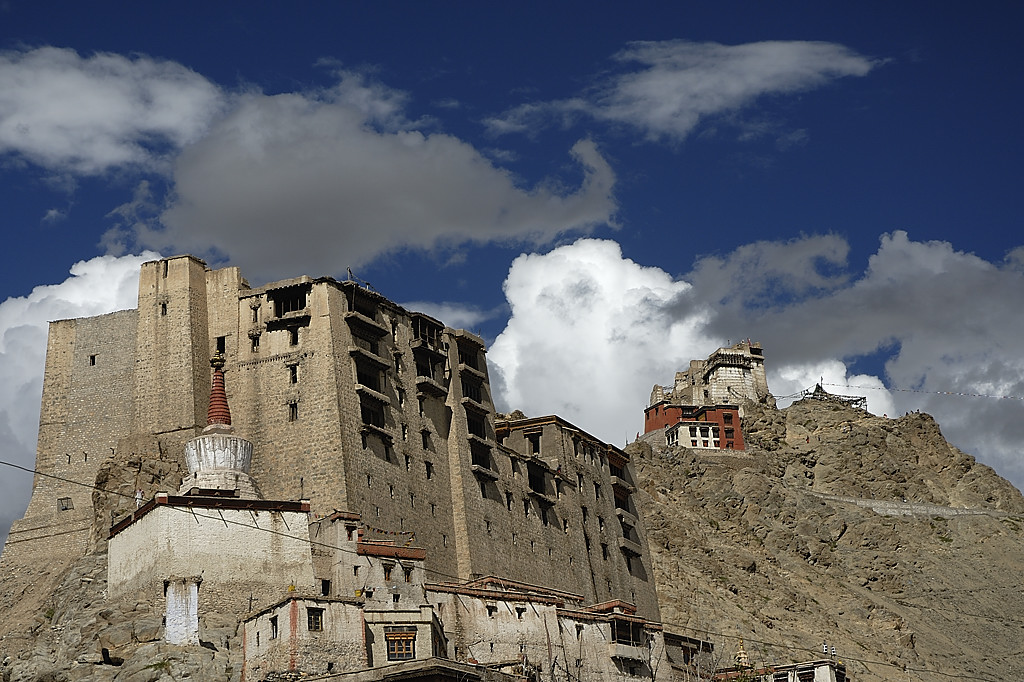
(273, 627)
(369, 345)
(255, 343)
(365, 306)
(222, 344)
(604, 551)
(163, 309)
(472, 390)
(430, 469)
(727, 418)
(293, 411)
(65, 504)
(388, 568)
(371, 412)
(293, 336)
(468, 358)
(627, 632)
(534, 439)
(288, 300)
(314, 619)
(368, 377)
(476, 425)
(92, 360)
(508, 501)
(481, 455)
(425, 435)
(165, 268)
(293, 374)
(325, 588)
(537, 478)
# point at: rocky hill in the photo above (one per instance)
(872, 534)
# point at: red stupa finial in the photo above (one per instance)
(218, 412)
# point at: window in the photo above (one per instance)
(398, 363)
(293, 374)
(520, 612)
(273, 627)
(412, 500)
(257, 638)
(405, 432)
(293, 411)
(492, 610)
(604, 551)
(255, 342)
(65, 504)
(508, 501)
(534, 439)
(314, 619)
(325, 588)
(597, 491)
(425, 436)
(369, 480)
(401, 645)
(388, 568)
(355, 571)
(92, 360)
(430, 469)
(293, 336)
(289, 299)
(401, 398)
(433, 508)
(600, 522)
(476, 425)
(163, 313)
(407, 572)
(727, 418)
(408, 463)
(371, 411)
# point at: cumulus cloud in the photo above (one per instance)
(588, 330)
(95, 287)
(86, 115)
(318, 182)
(666, 88)
(591, 332)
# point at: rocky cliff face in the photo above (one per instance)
(872, 534)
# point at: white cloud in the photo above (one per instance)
(315, 183)
(96, 286)
(86, 115)
(588, 331)
(672, 85)
(591, 332)
(455, 315)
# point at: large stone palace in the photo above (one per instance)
(356, 428)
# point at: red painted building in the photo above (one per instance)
(704, 426)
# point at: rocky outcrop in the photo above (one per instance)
(872, 534)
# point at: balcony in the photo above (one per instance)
(475, 405)
(472, 371)
(368, 356)
(431, 386)
(435, 348)
(626, 651)
(631, 546)
(481, 470)
(370, 393)
(626, 515)
(623, 485)
(357, 319)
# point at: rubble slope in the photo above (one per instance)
(872, 534)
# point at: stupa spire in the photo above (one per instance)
(219, 413)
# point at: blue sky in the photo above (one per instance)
(603, 193)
